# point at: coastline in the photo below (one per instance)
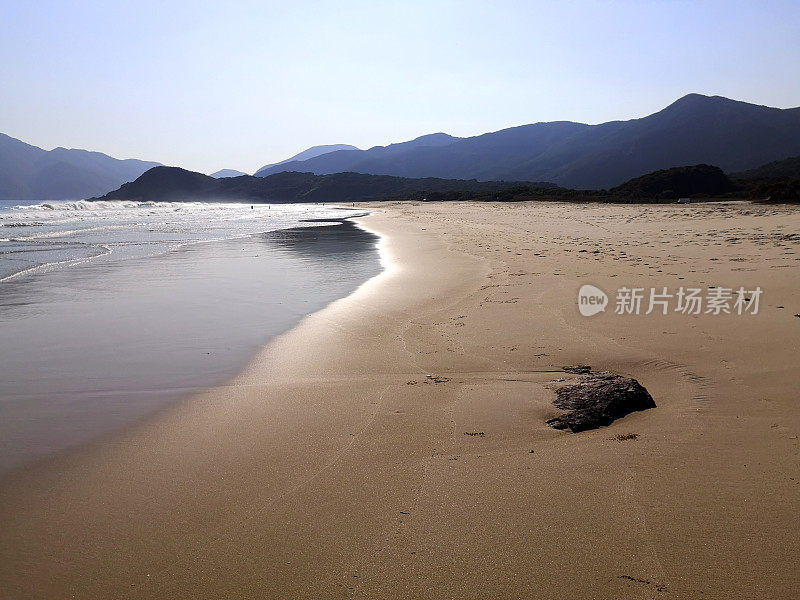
(99, 346)
(322, 470)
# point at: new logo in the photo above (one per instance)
(591, 300)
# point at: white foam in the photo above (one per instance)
(161, 226)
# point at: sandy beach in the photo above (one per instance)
(395, 445)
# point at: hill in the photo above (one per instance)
(176, 184)
(30, 173)
(778, 169)
(777, 181)
(695, 129)
(677, 182)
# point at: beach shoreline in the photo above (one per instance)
(97, 346)
(394, 443)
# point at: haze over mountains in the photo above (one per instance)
(736, 136)
(695, 129)
(30, 173)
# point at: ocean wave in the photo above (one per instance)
(101, 250)
(79, 205)
(66, 233)
(21, 224)
(159, 226)
(84, 205)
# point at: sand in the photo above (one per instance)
(334, 467)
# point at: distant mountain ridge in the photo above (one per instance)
(695, 129)
(28, 172)
(312, 152)
(227, 173)
(736, 136)
(340, 161)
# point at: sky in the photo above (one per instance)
(239, 84)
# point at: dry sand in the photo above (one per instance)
(334, 468)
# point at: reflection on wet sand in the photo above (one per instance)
(87, 350)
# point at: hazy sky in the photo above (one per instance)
(239, 84)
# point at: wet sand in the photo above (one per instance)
(334, 467)
(91, 348)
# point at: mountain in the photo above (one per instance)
(788, 168)
(695, 129)
(777, 181)
(31, 173)
(354, 159)
(175, 184)
(312, 152)
(227, 173)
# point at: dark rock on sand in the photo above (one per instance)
(597, 400)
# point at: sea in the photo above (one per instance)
(110, 310)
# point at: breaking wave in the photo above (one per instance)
(131, 229)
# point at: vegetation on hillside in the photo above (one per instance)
(176, 184)
(777, 181)
(694, 181)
